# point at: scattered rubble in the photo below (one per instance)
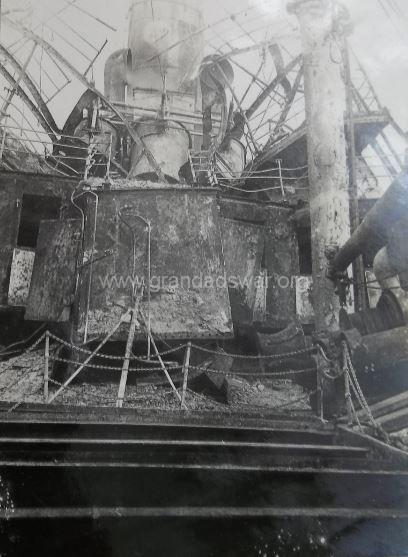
(21, 380)
(243, 395)
(22, 377)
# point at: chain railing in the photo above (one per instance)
(351, 380)
(52, 345)
(323, 370)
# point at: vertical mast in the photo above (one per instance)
(325, 97)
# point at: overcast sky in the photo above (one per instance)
(382, 45)
(381, 42)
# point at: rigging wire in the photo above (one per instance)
(386, 6)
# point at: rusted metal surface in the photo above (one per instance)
(282, 264)
(277, 286)
(168, 144)
(304, 307)
(398, 250)
(20, 276)
(386, 315)
(189, 294)
(288, 340)
(322, 31)
(53, 280)
(378, 351)
(241, 209)
(291, 339)
(9, 218)
(260, 297)
(12, 188)
(373, 289)
(243, 245)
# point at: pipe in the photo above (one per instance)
(373, 231)
(117, 68)
(91, 263)
(148, 225)
(381, 350)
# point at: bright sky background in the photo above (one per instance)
(381, 42)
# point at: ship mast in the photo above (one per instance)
(325, 93)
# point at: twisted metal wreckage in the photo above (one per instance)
(227, 218)
(175, 205)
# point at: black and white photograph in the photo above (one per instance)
(203, 278)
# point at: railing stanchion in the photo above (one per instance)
(319, 392)
(186, 366)
(46, 365)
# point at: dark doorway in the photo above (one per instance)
(305, 250)
(35, 208)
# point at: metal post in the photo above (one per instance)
(86, 362)
(279, 161)
(108, 164)
(149, 265)
(325, 100)
(186, 366)
(91, 263)
(319, 393)
(46, 365)
(126, 361)
(149, 278)
(166, 373)
(3, 139)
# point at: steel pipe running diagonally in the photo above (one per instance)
(373, 231)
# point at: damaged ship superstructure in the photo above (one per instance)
(214, 219)
(169, 197)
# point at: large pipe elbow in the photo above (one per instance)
(117, 68)
(374, 230)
